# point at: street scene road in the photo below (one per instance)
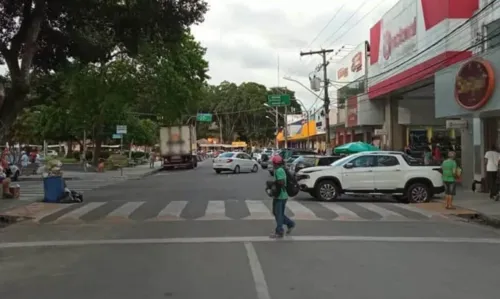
(195, 233)
(152, 149)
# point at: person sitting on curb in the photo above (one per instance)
(5, 181)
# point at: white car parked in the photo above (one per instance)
(235, 162)
(373, 173)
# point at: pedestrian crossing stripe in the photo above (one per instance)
(33, 190)
(217, 210)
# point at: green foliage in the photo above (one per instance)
(90, 155)
(40, 36)
(241, 110)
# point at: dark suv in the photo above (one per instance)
(290, 154)
(311, 161)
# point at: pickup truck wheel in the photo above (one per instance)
(327, 190)
(418, 193)
(217, 171)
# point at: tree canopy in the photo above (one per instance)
(39, 36)
(90, 65)
(241, 111)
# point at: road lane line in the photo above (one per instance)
(258, 274)
(385, 213)
(252, 239)
(172, 212)
(301, 212)
(216, 210)
(258, 210)
(74, 216)
(343, 213)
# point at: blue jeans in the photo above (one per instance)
(279, 206)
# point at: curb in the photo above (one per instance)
(41, 179)
(476, 216)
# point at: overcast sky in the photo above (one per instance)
(244, 38)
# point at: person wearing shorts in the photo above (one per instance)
(449, 167)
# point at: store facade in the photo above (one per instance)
(412, 41)
(469, 91)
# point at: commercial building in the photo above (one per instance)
(408, 45)
(306, 130)
(357, 120)
(469, 92)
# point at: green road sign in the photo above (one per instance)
(278, 100)
(204, 117)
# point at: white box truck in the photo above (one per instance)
(178, 147)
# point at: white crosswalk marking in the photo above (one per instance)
(33, 190)
(415, 210)
(216, 210)
(125, 210)
(385, 213)
(343, 213)
(258, 210)
(301, 212)
(113, 212)
(56, 208)
(172, 211)
(77, 213)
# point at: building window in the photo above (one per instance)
(493, 34)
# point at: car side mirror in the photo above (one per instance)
(348, 165)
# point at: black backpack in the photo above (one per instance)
(292, 187)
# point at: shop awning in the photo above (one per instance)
(307, 130)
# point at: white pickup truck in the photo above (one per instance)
(373, 173)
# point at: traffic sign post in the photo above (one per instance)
(120, 130)
(204, 117)
(276, 100)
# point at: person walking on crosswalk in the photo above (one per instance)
(279, 201)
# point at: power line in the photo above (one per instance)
(451, 58)
(327, 24)
(348, 19)
(355, 24)
(453, 32)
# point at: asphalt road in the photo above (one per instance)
(195, 234)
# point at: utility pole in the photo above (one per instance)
(326, 99)
(276, 142)
(286, 127)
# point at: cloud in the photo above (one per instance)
(245, 38)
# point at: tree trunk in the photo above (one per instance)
(70, 148)
(97, 150)
(13, 104)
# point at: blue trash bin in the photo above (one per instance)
(53, 188)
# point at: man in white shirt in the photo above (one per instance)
(492, 157)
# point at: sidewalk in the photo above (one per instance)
(33, 189)
(478, 203)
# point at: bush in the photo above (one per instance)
(116, 161)
(89, 155)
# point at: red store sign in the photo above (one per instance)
(474, 84)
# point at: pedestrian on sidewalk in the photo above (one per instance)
(152, 159)
(450, 173)
(279, 202)
(492, 158)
